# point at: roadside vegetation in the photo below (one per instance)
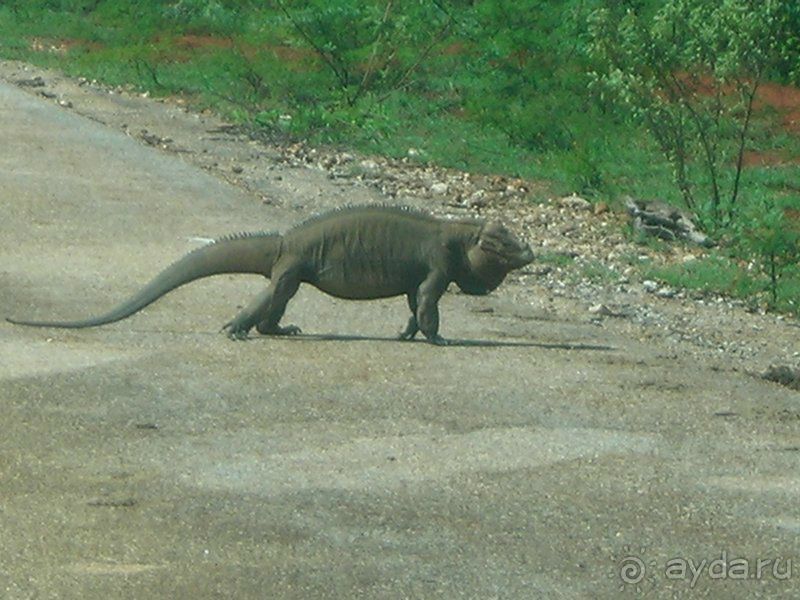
(695, 102)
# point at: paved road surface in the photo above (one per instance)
(154, 458)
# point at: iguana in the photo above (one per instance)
(358, 253)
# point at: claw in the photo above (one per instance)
(287, 330)
(235, 332)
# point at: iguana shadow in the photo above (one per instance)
(451, 342)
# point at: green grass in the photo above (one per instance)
(597, 272)
(555, 259)
(717, 274)
(713, 274)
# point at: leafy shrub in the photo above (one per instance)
(689, 72)
(773, 241)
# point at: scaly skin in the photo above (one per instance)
(357, 253)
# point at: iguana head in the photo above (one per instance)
(494, 254)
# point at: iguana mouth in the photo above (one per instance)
(525, 257)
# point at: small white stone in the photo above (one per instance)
(440, 188)
(665, 292)
(575, 202)
(600, 309)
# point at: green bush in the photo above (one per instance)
(766, 235)
(689, 72)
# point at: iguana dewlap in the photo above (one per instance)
(358, 253)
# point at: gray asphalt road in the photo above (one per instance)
(154, 458)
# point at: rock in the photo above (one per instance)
(152, 139)
(601, 310)
(440, 188)
(477, 199)
(575, 202)
(784, 375)
(653, 217)
(369, 165)
(649, 285)
(328, 162)
(665, 292)
(600, 208)
(35, 82)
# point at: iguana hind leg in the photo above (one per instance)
(283, 289)
(266, 309)
(412, 327)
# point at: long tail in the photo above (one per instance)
(240, 253)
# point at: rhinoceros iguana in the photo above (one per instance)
(359, 253)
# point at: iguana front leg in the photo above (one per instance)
(428, 295)
(283, 289)
(265, 310)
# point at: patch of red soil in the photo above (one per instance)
(453, 49)
(291, 53)
(792, 216)
(191, 41)
(768, 158)
(791, 121)
(780, 97)
(785, 100)
(292, 56)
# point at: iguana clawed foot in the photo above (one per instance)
(411, 329)
(436, 340)
(239, 332)
(236, 330)
(278, 330)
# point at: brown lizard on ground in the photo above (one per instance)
(358, 253)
